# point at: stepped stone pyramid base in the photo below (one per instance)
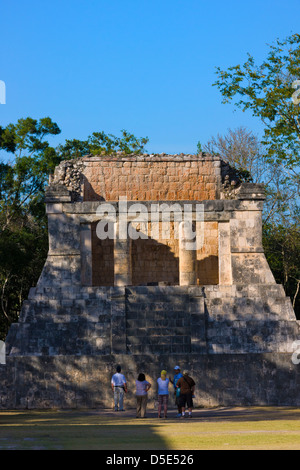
(236, 341)
(216, 311)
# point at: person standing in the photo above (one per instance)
(119, 386)
(177, 376)
(187, 388)
(163, 393)
(142, 387)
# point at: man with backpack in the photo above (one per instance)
(177, 376)
(187, 388)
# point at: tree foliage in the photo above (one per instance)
(23, 223)
(281, 221)
(267, 91)
(100, 143)
(242, 150)
(282, 248)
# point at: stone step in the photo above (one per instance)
(152, 314)
(159, 349)
(216, 310)
(236, 290)
(249, 308)
(158, 340)
(158, 323)
(251, 336)
(173, 330)
(244, 290)
(58, 339)
(96, 291)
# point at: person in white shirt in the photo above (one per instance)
(119, 386)
(163, 393)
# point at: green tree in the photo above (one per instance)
(23, 180)
(23, 223)
(267, 91)
(282, 248)
(242, 150)
(281, 221)
(246, 154)
(100, 143)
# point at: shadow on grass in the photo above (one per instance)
(76, 431)
(104, 430)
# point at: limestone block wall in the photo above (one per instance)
(207, 265)
(83, 382)
(102, 259)
(156, 259)
(152, 178)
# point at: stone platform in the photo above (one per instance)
(236, 341)
(150, 303)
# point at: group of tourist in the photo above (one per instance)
(183, 389)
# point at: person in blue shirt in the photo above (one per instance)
(177, 376)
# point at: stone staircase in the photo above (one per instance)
(154, 320)
(158, 320)
(237, 339)
(249, 319)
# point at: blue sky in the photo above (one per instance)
(146, 66)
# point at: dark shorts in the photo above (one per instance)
(186, 399)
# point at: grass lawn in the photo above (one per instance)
(218, 429)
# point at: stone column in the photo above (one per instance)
(187, 255)
(122, 259)
(86, 254)
(249, 264)
(62, 266)
(225, 268)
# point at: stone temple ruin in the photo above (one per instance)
(149, 302)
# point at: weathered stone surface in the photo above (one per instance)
(84, 381)
(155, 320)
(149, 304)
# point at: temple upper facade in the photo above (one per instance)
(143, 202)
